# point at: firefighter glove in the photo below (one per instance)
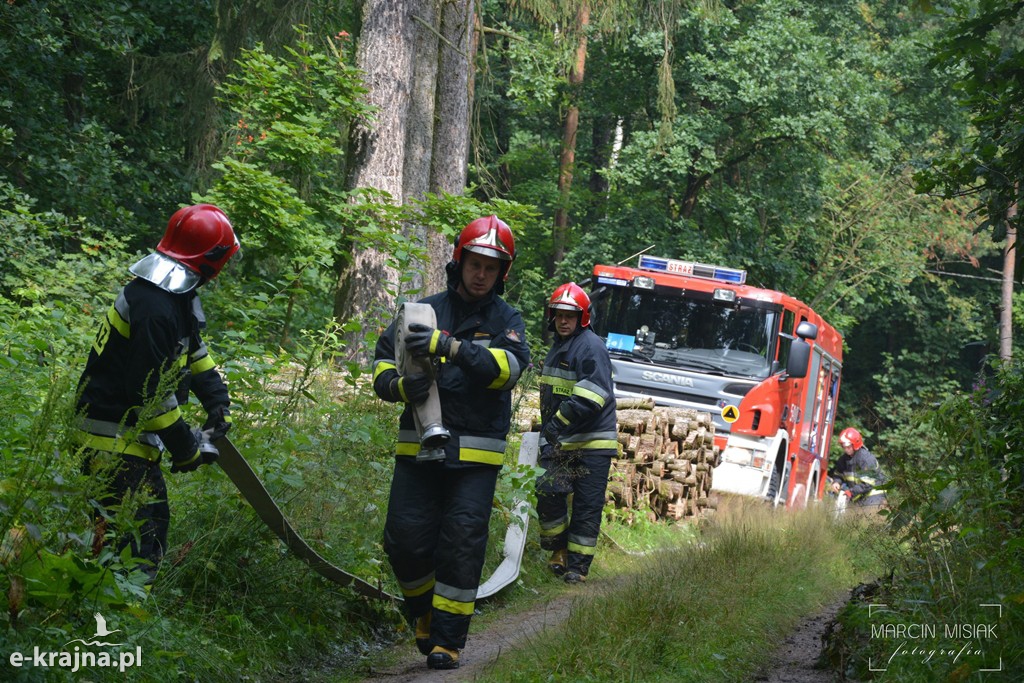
(218, 422)
(424, 340)
(414, 388)
(205, 453)
(550, 432)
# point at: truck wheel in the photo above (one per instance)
(774, 488)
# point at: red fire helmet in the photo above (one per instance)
(851, 437)
(488, 236)
(570, 297)
(201, 238)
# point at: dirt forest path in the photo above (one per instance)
(795, 661)
(482, 648)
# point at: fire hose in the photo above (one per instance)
(252, 489)
(432, 435)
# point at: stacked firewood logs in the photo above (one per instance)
(666, 462)
(666, 458)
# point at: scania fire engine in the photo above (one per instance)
(765, 365)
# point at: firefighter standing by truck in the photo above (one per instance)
(146, 357)
(857, 473)
(577, 405)
(435, 535)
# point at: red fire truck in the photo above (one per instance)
(765, 365)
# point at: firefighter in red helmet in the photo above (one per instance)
(435, 535)
(578, 437)
(856, 474)
(145, 359)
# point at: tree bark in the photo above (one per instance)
(419, 143)
(567, 160)
(1006, 304)
(377, 148)
(450, 157)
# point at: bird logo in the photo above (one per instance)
(101, 632)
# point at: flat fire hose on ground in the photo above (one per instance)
(252, 489)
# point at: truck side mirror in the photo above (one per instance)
(799, 357)
(806, 330)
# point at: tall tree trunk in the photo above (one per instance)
(377, 147)
(450, 156)
(567, 160)
(1006, 307)
(419, 142)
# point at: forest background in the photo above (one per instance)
(865, 157)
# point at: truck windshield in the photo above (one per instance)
(692, 332)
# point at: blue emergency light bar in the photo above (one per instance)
(733, 276)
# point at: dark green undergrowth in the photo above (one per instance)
(714, 610)
(957, 518)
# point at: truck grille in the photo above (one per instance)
(665, 393)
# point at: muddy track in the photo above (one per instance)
(795, 661)
(482, 648)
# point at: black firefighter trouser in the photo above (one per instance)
(124, 475)
(584, 474)
(436, 539)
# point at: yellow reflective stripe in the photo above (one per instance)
(202, 365)
(434, 338)
(115, 445)
(401, 389)
(382, 365)
(581, 549)
(162, 421)
(561, 418)
(558, 382)
(452, 606)
(593, 445)
(589, 395)
(118, 323)
(407, 448)
(481, 456)
(190, 460)
(555, 530)
(413, 591)
(504, 370)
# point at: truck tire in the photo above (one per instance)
(778, 484)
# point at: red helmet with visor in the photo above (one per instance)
(570, 297)
(487, 236)
(851, 437)
(201, 238)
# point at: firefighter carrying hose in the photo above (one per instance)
(146, 357)
(857, 473)
(578, 438)
(435, 535)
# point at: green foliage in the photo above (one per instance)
(983, 46)
(959, 510)
(700, 611)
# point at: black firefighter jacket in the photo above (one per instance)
(475, 390)
(146, 357)
(576, 391)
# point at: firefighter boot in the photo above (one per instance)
(558, 561)
(574, 577)
(443, 658)
(423, 633)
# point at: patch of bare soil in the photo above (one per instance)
(509, 631)
(798, 658)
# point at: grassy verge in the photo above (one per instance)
(711, 611)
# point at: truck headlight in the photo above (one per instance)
(743, 456)
(738, 456)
